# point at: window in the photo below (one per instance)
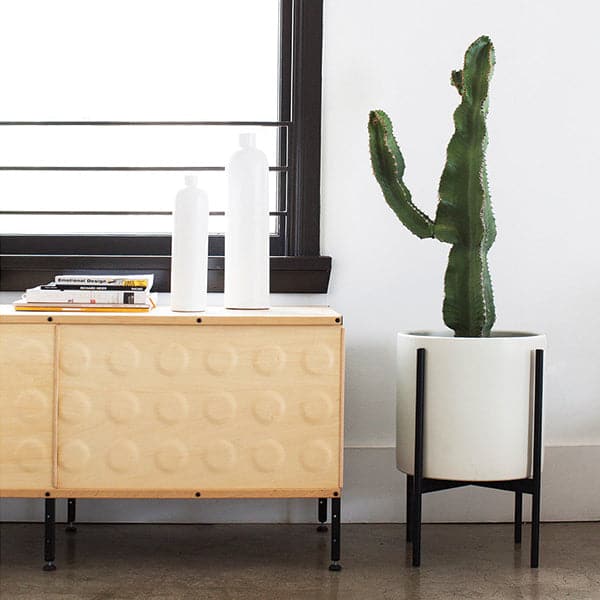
(98, 130)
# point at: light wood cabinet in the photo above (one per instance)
(215, 404)
(27, 404)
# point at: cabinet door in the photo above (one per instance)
(199, 407)
(26, 406)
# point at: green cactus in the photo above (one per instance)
(464, 215)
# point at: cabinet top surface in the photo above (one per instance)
(162, 315)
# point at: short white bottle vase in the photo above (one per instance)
(189, 251)
(247, 228)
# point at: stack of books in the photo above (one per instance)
(123, 293)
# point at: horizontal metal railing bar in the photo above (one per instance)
(48, 168)
(115, 212)
(308, 262)
(149, 123)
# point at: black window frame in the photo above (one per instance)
(296, 264)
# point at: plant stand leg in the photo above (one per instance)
(535, 531)
(322, 512)
(537, 460)
(416, 523)
(409, 495)
(336, 508)
(417, 496)
(49, 537)
(518, 516)
(71, 510)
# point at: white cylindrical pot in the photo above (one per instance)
(189, 249)
(247, 228)
(478, 420)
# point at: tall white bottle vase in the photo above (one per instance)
(189, 253)
(247, 229)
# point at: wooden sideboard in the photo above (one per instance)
(218, 404)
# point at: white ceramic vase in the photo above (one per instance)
(247, 228)
(189, 250)
(478, 420)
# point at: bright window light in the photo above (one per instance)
(129, 60)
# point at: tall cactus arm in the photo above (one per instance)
(463, 189)
(464, 215)
(388, 167)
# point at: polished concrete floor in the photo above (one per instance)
(173, 562)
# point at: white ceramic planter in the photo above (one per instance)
(478, 422)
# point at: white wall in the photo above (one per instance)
(544, 130)
(543, 157)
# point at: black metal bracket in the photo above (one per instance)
(417, 485)
(322, 515)
(71, 510)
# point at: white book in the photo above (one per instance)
(37, 294)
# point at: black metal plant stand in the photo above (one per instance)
(417, 485)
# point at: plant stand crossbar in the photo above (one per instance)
(417, 485)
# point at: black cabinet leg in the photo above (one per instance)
(49, 531)
(71, 508)
(322, 512)
(518, 516)
(409, 495)
(336, 508)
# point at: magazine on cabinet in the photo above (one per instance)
(145, 281)
(75, 307)
(85, 296)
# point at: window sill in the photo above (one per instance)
(289, 274)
